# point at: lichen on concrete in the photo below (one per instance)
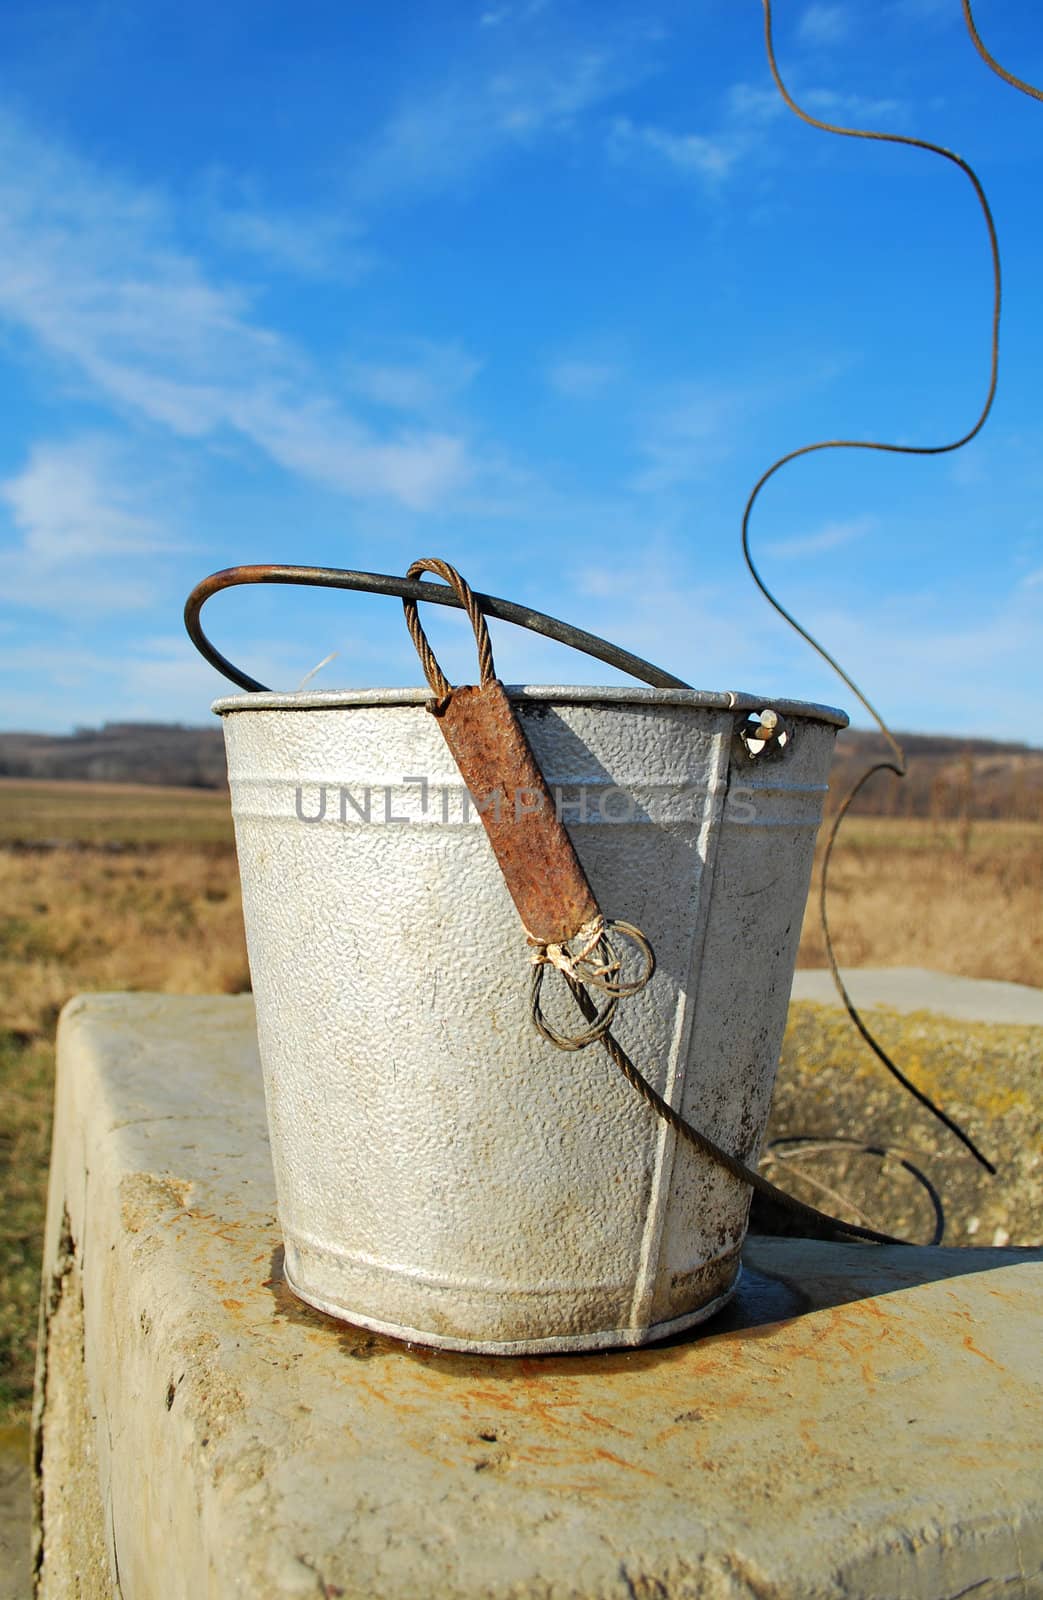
(986, 1075)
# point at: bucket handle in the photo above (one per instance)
(407, 589)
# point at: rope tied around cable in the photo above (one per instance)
(595, 965)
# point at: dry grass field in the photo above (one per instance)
(117, 887)
(952, 897)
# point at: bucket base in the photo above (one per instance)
(609, 1339)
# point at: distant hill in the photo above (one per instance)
(948, 777)
(120, 752)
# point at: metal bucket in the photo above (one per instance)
(443, 1173)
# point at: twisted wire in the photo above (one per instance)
(437, 679)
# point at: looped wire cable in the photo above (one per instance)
(898, 765)
(594, 942)
(595, 965)
(437, 679)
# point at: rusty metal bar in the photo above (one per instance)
(534, 852)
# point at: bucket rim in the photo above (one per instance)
(622, 695)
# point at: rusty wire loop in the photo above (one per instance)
(599, 1018)
(608, 978)
(596, 965)
(898, 766)
(437, 679)
(990, 60)
(597, 947)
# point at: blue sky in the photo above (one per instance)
(538, 286)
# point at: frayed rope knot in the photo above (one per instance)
(595, 964)
(577, 963)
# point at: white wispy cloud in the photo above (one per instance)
(835, 105)
(92, 267)
(59, 683)
(830, 537)
(731, 135)
(657, 608)
(705, 156)
(303, 246)
(85, 529)
(496, 16)
(442, 136)
(576, 379)
(909, 651)
(824, 24)
(750, 102)
(277, 241)
(744, 132)
(920, 11)
(915, 659)
(71, 503)
(423, 379)
(689, 430)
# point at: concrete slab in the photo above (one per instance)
(862, 1422)
(916, 989)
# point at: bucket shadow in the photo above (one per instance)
(782, 1281)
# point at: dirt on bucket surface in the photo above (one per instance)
(985, 1075)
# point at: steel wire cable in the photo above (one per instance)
(817, 1224)
(898, 767)
(792, 1150)
(990, 60)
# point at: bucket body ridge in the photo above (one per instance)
(443, 1172)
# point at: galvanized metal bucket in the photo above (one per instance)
(443, 1173)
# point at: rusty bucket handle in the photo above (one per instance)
(407, 589)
